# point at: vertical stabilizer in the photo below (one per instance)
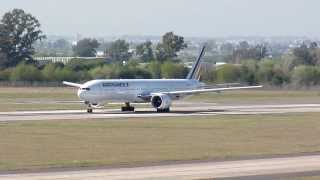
(195, 67)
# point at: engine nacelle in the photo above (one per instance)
(161, 101)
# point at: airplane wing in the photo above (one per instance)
(71, 84)
(196, 91)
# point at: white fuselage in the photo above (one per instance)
(130, 90)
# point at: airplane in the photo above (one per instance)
(159, 92)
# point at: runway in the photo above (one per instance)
(202, 110)
(228, 169)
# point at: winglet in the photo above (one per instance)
(71, 84)
(195, 67)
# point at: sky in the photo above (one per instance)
(193, 18)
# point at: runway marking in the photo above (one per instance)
(188, 171)
(149, 112)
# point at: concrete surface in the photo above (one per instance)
(205, 170)
(208, 110)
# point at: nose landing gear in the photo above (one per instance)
(89, 107)
(126, 108)
(89, 111)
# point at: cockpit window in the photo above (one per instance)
(85, 89)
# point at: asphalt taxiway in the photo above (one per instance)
(205, 170)
(203, 110)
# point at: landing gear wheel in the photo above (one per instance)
(166, 110)
(89, 108)
(127, 108)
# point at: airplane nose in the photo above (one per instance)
(83, 94)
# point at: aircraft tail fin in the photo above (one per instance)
(195, 70)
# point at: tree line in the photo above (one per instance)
(19, 31)
(299, 68)
(250, 64)
(80, 71)
(118, 50)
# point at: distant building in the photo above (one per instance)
(46, 60)
(220, 64)
(64, 60)
(100, 54)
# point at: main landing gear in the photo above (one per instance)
(166, 110)
(127, 108)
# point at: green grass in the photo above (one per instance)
(54, 93)
(304, 178)
(258, 96)
(37, 98)
(39, 106)
(42, 98)
(310, 178)
(74, 143)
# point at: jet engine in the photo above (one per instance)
(161, 101)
